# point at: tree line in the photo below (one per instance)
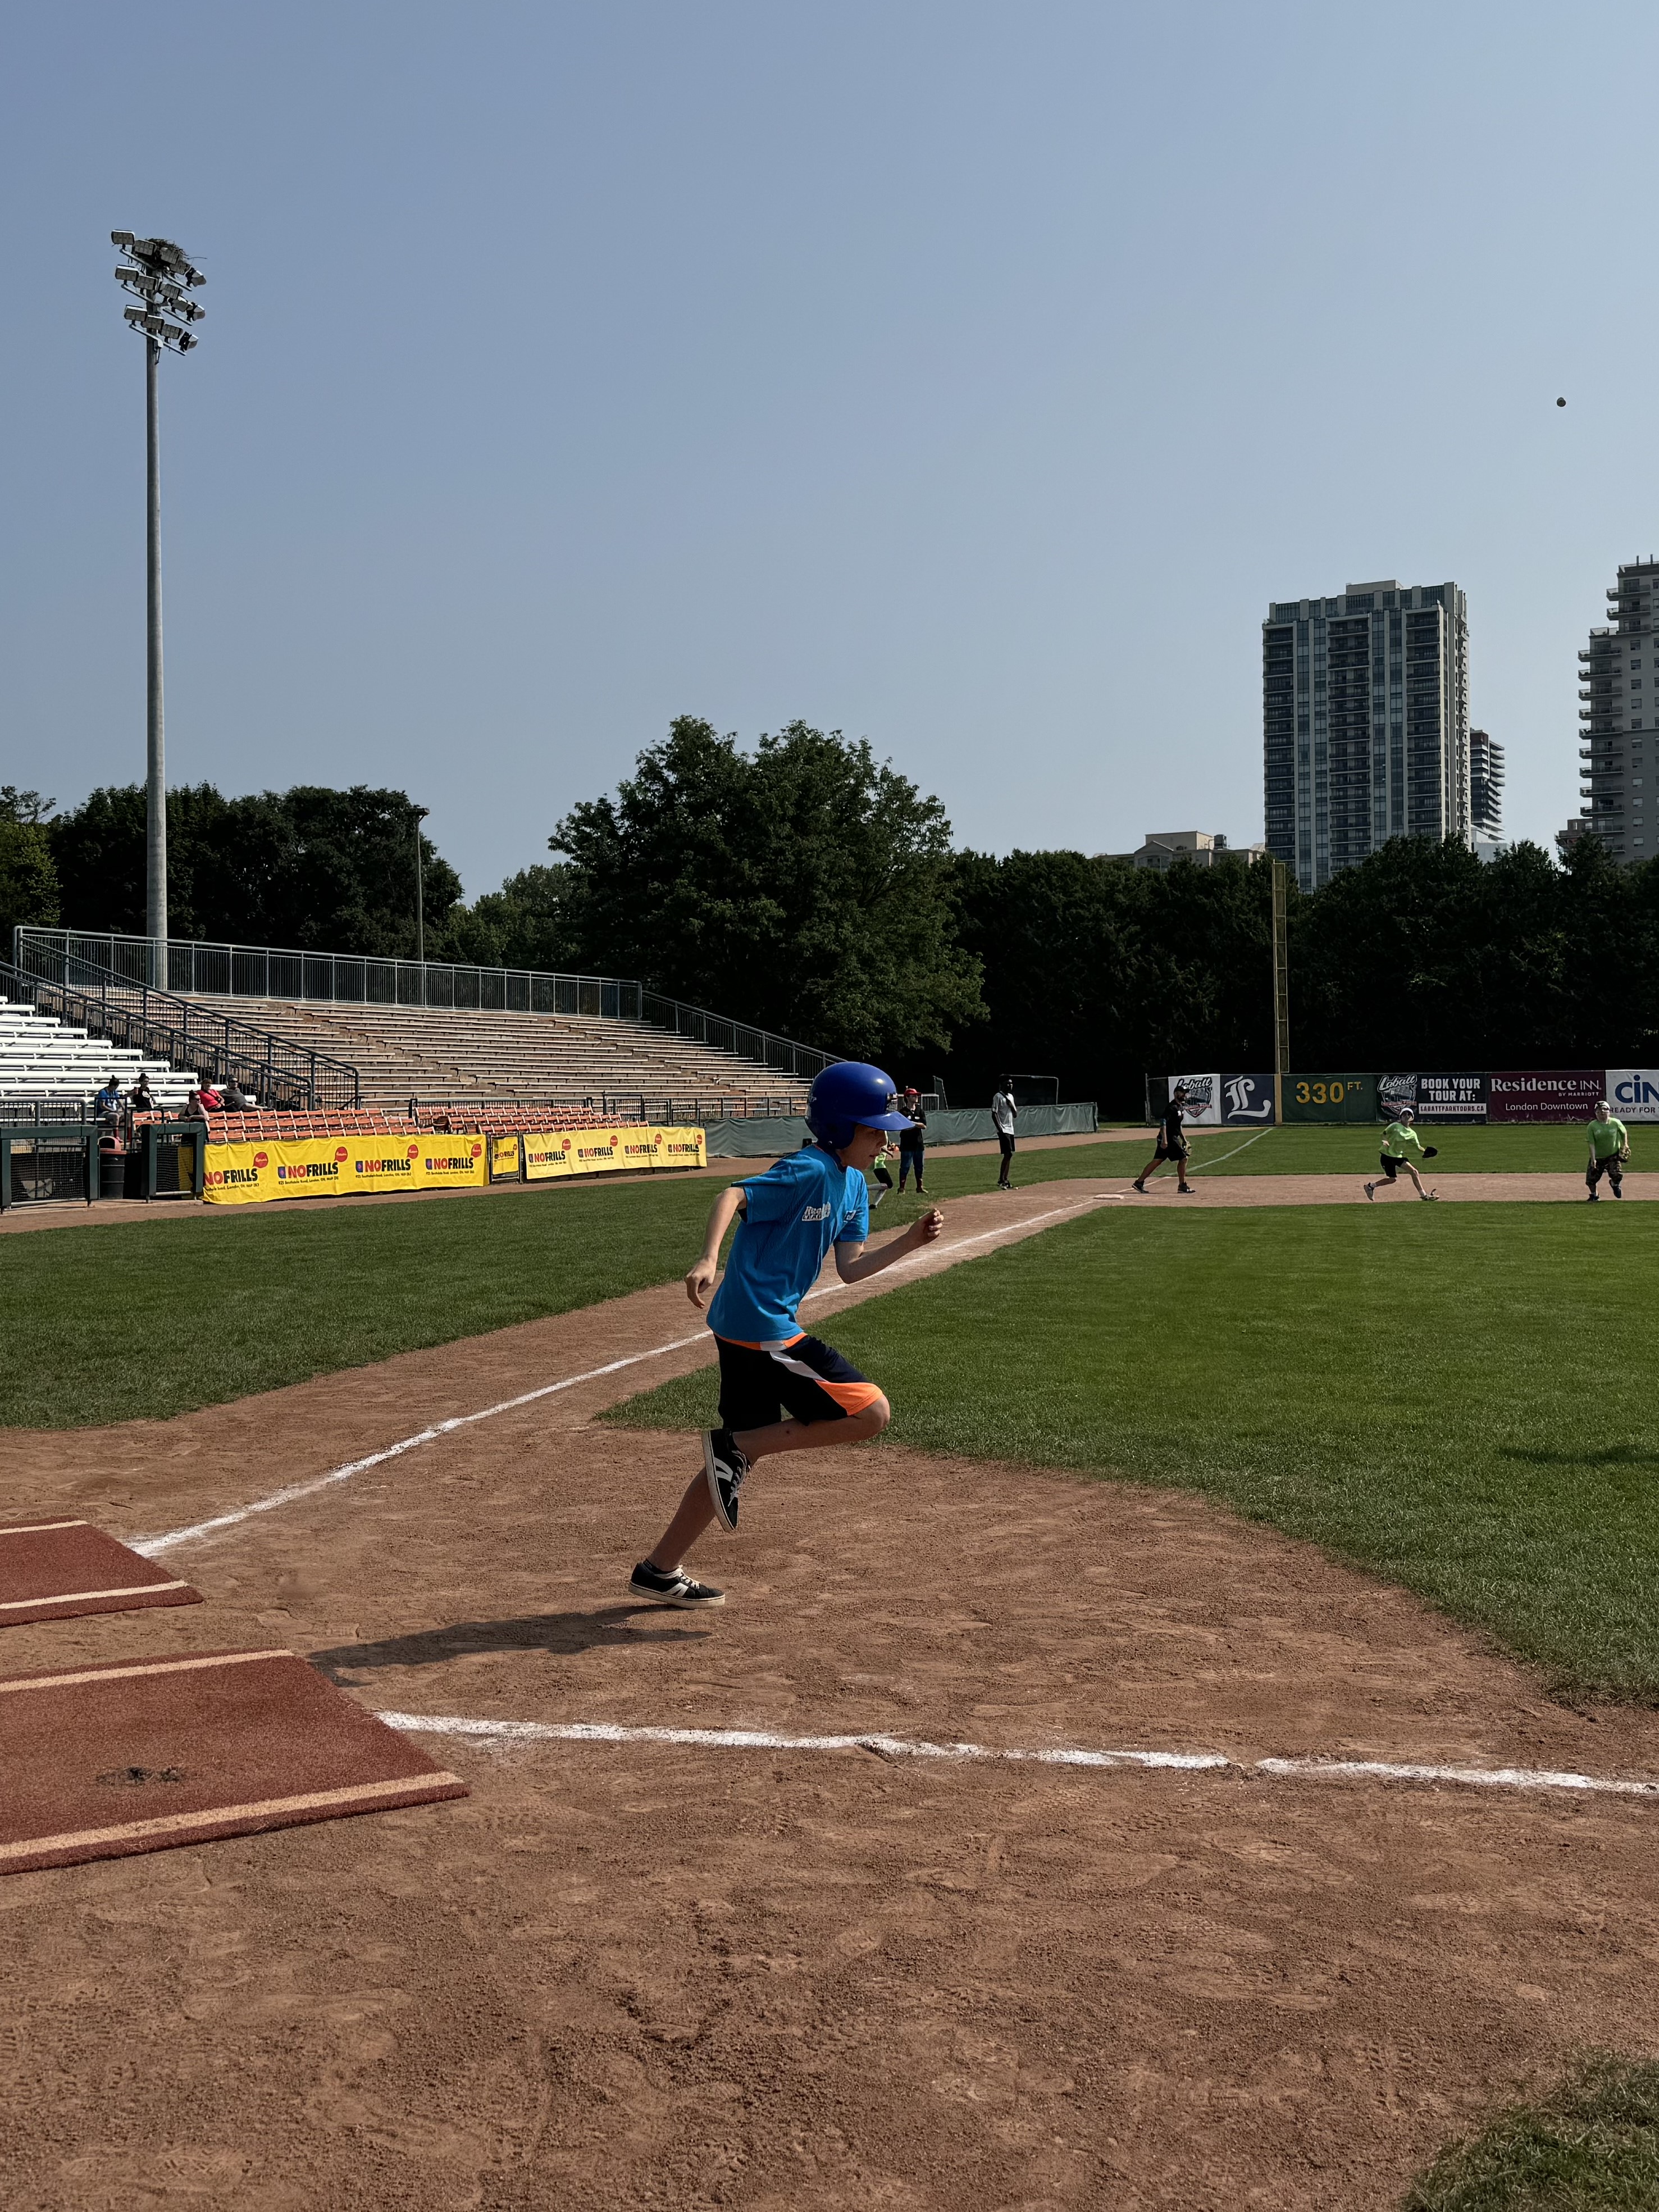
(811, 888)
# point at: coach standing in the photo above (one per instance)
(913, 1141)
(1004, 1115)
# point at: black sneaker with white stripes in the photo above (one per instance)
(725, 1467)
(673, 1586)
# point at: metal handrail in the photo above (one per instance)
(165, 1027)
(193, 966)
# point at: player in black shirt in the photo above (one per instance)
(1171, 1143)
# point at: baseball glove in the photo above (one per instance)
(1431, 1152)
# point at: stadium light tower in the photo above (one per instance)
(162, 277)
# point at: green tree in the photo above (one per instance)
(29, 881)
(805, 887)
(521, 926)
(311, 867)
(1097, 972)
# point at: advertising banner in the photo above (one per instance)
(548, 1154)
(1203, 1100)
(597, 1151)
(451, 1162)
(683, 1148)
(1435, 1098)
(1557, 1094)
(327, 1167)
(609, 1151)
(1334, 1097)
(1247, 1101)
(1633, 1093)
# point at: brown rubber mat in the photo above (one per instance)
(138, 1755)
(58, 1570)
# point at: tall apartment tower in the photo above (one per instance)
(1618, 671)
(1486, 786)
(1365, 723)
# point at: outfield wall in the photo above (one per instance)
(972, 1125)
(1504, 1095)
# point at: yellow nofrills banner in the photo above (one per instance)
(327, 1167)
(610, 1151)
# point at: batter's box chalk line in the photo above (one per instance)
(898, 1746)
(147, 1547)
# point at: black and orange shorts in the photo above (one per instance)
(808, 1379)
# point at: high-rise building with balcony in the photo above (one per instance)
(1619, 689)
(1486, 786)
(1365, 723)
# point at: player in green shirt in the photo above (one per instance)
(1397, 1140)
(1609, 1148)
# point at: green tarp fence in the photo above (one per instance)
(765, 1140)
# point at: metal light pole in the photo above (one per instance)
(421, 813)
(161, 276)
(1281, 987)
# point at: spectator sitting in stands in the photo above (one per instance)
(108, 1101)
(236, 1100)
(141, 1098)
(204, 1102)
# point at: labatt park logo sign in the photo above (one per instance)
(319, 1167)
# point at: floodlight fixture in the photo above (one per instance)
(161, 276)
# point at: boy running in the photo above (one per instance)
(1397, 1137)
(789, 1219)
(1171, 1144)
(883, 1176)
(1609, 1148)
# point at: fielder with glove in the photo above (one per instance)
(1397, 1139)
(1609, 1148)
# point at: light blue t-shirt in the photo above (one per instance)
(796, 1211)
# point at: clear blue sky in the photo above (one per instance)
(964, 377)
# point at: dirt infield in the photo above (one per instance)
(1532, 1188)
(625, 1974)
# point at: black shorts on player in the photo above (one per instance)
(807, 1379)
(1391, 1166)
(1181, 1152)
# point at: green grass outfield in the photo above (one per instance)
(1307, 1148)
(1460, 1400)
(145, 1319)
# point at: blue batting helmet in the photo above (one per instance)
(852, 1095)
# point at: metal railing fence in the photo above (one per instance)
(650, 1108)
(162, 1026)
(196, 967)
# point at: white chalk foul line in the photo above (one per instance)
(148, 1546)
(898, 1746)
(893, 1746)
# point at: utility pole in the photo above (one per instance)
(161, 276)
(1281, 990)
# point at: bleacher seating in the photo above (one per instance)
(412, 1051)
(43, 1061)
